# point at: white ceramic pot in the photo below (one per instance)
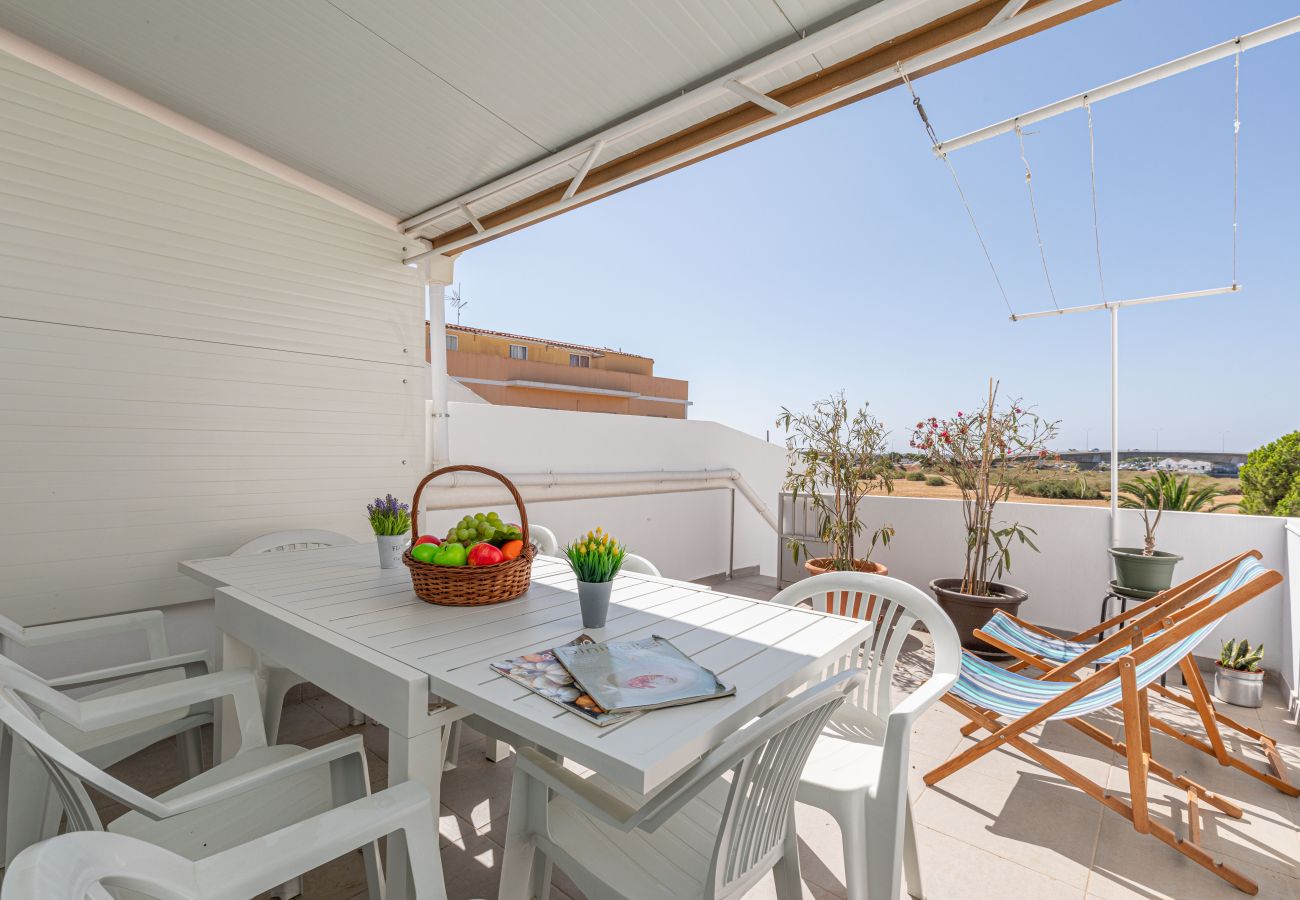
(391, 548)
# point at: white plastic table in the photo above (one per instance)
(358, 631)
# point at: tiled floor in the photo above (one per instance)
(1004, 827)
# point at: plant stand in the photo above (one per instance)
(1123, 608)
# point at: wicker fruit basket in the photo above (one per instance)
(470, 585)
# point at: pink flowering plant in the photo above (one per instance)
(981, 452)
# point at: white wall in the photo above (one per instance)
(685, 534)
(1068, 578)
(1290, 668)
(192, 353)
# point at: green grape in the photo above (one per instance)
(494, 518)
(479, 517)
(463, 534)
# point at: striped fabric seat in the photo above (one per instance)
(990, 686)
(1059, 650)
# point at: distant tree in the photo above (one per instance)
(1270, 479)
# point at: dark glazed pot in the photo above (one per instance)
(969, 612)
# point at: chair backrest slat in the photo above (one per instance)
(765, 775)
(894, 608)
(287, 541)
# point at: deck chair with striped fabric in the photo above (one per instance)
(1057, 659)
(1121, 682)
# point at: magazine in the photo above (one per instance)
(630, 676)
(544, 675)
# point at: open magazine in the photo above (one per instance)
(630, 676)
(547, 677)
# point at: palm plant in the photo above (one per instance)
(1163, 491)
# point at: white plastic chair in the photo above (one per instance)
(31, 809)
(704, 835)
(634, 563)
(545, 539)
(258, 792)
(86, 865)
(279, 680)
(858, 769)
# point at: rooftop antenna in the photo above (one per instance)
(455, 302)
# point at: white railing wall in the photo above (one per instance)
(1290, 668)
(1067, 579)
(687, 534)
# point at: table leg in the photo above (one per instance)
(419, 759)
(235, 654)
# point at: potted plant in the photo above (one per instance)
(1146, 570)
(981, 454)
(1238, 676)
(595, 559)
(391, 521)
(835, 459)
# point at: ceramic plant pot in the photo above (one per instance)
(391, 547)
(593, 597)
(969, 611)
(1239, 688)
(1152, 573)
(820, 566)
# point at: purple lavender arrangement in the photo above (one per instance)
(389, 516)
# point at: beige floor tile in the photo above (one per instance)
(1040, 821)
(955, 870)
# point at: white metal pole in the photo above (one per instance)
(437, 273)
(1275, 32)
(1114, 426)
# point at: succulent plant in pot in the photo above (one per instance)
(1239, 674)
(981, 453)
(835, 458)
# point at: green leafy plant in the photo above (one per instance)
(935, 480)
(1270, 478)
(1239, 656)
(595, 557)
(982, 454)
(916, 476)
(835, 458)
(389, 516)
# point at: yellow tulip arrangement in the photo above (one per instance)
(595, 556)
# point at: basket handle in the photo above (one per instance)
(510, 486)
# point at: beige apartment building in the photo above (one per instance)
(514, 370)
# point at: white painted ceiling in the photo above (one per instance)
(409, 103)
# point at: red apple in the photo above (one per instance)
(427, 539)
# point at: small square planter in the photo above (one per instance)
(1239, 688)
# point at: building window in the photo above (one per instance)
(518, 351)
(579, 361)
(453, 341)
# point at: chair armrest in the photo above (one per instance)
(588, 796)
(353, 745)
(194, 662)
(149, 621)
(263, 863)
(131, 706)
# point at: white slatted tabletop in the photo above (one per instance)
(765, 650)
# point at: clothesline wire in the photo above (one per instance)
(970, 214)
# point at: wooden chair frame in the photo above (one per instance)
(1137, 728)
(1148, 618)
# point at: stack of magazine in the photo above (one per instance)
(606, 682)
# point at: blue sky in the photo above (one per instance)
(836, 254)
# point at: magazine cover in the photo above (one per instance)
(627, 676)
(543, 674)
